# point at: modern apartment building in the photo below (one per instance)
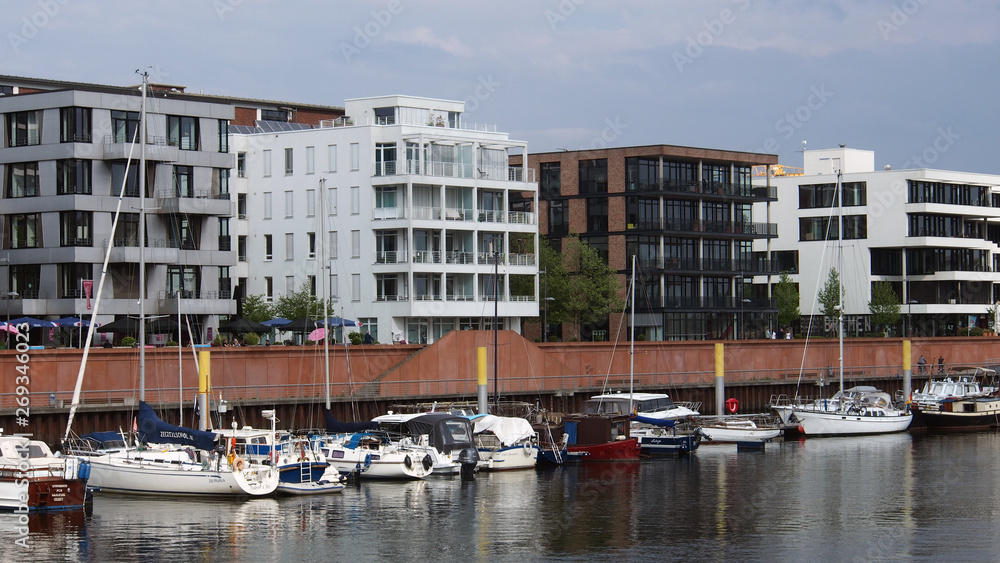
(686, 214)
(933, 234)
(421, 217)
(65, 159)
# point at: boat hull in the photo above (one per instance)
(43, 494)
(944, 420)
(837, 424)
(724, 435)
(320, 487)
(669, 444)
(622, 450)
(519, 456)
(115, 475)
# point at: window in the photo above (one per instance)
(355, 156)
(818, 228)
(241, 248)
(74, 125)
(289, 246)
(334, 288)
(183, 181)
(642, 174)
(183, 281)
(268, 248)
(22, 129)
(370, 325)
(225, 283)
(274, 115)
(594, 176)
(131, 183)
(223, 177)
(887, 261)
(289, 285)
(25, 280)
(22, 179)
(715, 177)
(679, 174)
(124, 125)
(355, 287)
(288, 162)
(182, 132)
(289, 204)
(355, 200)
(267, 205)
(73, 177)
(549, 183)
(186, 230)
(267, 163)
(788, 261)
(310, 203)
(332, 201)
(332, 248)
(597, 214)
(223, 135)
(385, 159)
(225, 239)
(71, 278)
(75, 228)
(855, 227)
(642, 213)
(241, 206)
(331, 158)
(311, 240)
(310, 160)
(6, 90)
(241, 165)
(355, 244)
(127, 231)
(558, 217)
(311, 284)
(386, 288)
(24, 230)
(268, 289)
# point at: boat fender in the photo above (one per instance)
(527, 447)
(408, 462)
(239, 464)
(428, 462)
(368, 459)
(83, 471)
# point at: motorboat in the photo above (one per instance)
(599, 437)
(446, 437)
(504, 442)
(372, 455)
(737, 429)
(33, 479)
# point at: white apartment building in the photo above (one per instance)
(63, 161)
(423, 222)
(933, 234)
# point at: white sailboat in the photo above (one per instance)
(858, 410)
(184, 462)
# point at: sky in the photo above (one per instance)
(916, 81)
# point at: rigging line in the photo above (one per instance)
(614, 345)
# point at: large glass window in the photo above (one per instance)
(558, 217)
(22, 129)
(183, 280)
(679, 174)
(74, 125)
(289, 162)
(223, 135)
(715, 177)
(127, 230)
(385, 159)
(594, 176)
(953, 194)
(131, 182)
(71, 277)
(25, 280)
(642, 174)
(124, 125)
(73, 177)
(182, 132)
(183, 181)
(22, 179)
(597, 214)
(24, 230)
(549, 182)
(855, 227)
(75, 228)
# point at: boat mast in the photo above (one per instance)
(840, 266)
(631, 363)
(496, 328)
(142, 241)
(326, 297)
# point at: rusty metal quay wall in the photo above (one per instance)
(368, 379)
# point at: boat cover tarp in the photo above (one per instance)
(335, 426)
(509, 430)
(446, 432)
(103, 439)
(666, 423)
(154, 430)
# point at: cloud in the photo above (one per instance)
(425, 36)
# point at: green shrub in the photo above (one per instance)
(128, 342)
(355, 337)
(251, 339)
(170, 343)
(976, 331)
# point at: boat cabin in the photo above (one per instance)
(590, 430)
(618, 403)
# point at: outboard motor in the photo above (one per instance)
(469, 459)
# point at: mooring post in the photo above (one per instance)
(720, 380)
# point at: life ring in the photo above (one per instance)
(526, 447)
(732, 405)
(239, 464)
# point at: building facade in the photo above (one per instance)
(419, 217)
(932, 234)
(686, 214)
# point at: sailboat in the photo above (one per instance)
(164, 459)
(858, 410)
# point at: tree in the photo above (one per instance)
(884, 306)
(831, 294)
(786, 296)
(584, 289)
(257, 309)
(298, 304)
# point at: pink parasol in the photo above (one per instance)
(317, 334)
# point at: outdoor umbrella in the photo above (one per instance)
(33, 323)
(299, 325)
(161, 325)
(74, 321)
(241, 325)
(338, 321)
(8, 328)
(276, 322)
(130, 325)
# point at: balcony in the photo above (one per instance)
(449, 169)
(390, 257)
(388, 213)
(459, 257)
(427, 257)
(119, 147)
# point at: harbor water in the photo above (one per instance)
(896, 497)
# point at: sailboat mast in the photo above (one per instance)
(496, 328)
(142, 241)
(631, 361)
(840, 267)
(326, 290)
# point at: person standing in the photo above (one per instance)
(922, 365)
(940, 365)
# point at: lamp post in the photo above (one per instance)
(10, 295)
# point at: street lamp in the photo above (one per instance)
(10, 295)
